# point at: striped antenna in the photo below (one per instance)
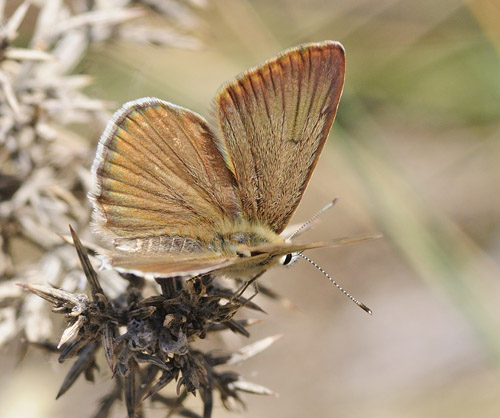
(357, 302)
(305, 224)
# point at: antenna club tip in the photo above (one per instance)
(365, 308)
(332, 203)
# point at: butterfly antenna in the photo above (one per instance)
(305, 224)
(357, 302)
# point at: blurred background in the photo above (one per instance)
(414, 154)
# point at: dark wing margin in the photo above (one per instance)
(274, 121)
(158, 172)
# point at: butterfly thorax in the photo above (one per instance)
(240, 236)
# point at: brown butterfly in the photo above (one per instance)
(177, 197)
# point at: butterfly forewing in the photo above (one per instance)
(274, 121)
(158, 173)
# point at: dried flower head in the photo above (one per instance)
(156, 346)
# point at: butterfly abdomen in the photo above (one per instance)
(225, 243)
(159, 244)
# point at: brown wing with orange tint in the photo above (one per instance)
(158, 172)
(274, 121)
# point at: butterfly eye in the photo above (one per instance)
(286, 259)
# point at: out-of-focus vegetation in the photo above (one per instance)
(413, 154)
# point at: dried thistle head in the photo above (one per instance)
(149, 342)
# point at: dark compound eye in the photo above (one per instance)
(287, 259)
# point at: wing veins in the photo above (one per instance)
(142, 150)
(254, 176)
(194, 148)
(165, 168)
(299, 96)
(314, 86)
(159, 136)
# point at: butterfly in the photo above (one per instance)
(175, 196)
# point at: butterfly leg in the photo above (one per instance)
(245, 285)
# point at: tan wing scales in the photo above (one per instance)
(274, 121)
(157, 172)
